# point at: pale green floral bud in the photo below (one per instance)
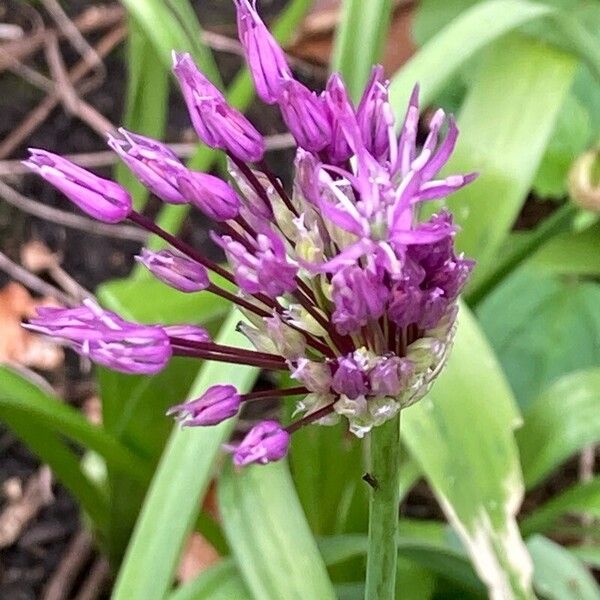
(290, 343)
(300, 317)
(584, 181)
(316, 376)
(258, 337)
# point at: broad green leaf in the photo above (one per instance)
(559, 575)
(571, 136)
(327, 469)
(359, 40)
(590, 555)
(505, 124)
(269, 535)
(18, 394)
(180, 481)
(134, 407)
(562, 421)
(441, 57)
(461, 434)
(220, 582)
(146, 103)
(541, 328)
(129, 297)
(581, 498)
(64, 462)
(570, 253)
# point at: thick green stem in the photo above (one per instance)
(384, 470)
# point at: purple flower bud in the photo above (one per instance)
(218, 403)
(358, 295)
(375, 117)
(100, 198)
(306, 116)
(453, 276)
(106, 338)
(406, 304)
(192, 333)
(349, 379)
(153, 163)
(341, 113)
(390, 376)
(265, 58)
(435, 305)
(217, 124)
(265, 268)
(266, 442)
(180, 272)
(213, 196)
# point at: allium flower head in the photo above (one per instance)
(339, 281)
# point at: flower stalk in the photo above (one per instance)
(384, 471)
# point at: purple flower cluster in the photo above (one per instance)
(340, 282)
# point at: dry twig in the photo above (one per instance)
(72, 33)
(38, 115)
(19, 512)
(78, 553)
(33, 282)
(92, 19)
(68, 219)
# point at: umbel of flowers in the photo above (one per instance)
(339, 280)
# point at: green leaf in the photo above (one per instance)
(590, 555)
(146, 103)
(173, 25)
(469, 456)
(559, 575)
(359, 41)
(173, 500)
(129, 297)
(17, 393)
(581, 498)
(522, 84)
(562, 421)
(64, 462)
(542, 327)
(220, 582)
(434, 64)
(570, 137)
(269, 535)
(570, 253)
(327, 467)
(134, 407)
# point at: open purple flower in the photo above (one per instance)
(341, 282)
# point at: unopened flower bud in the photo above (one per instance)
(213, 196)
(306, 116)
(179, 272)
(316, 376)
(266, 442)
(217, 123)
(153, 163)
(100, 198)
(264, 57)
(290, 343)
(218, 403)
(192, 333)
(349, 379)
(584, 181)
